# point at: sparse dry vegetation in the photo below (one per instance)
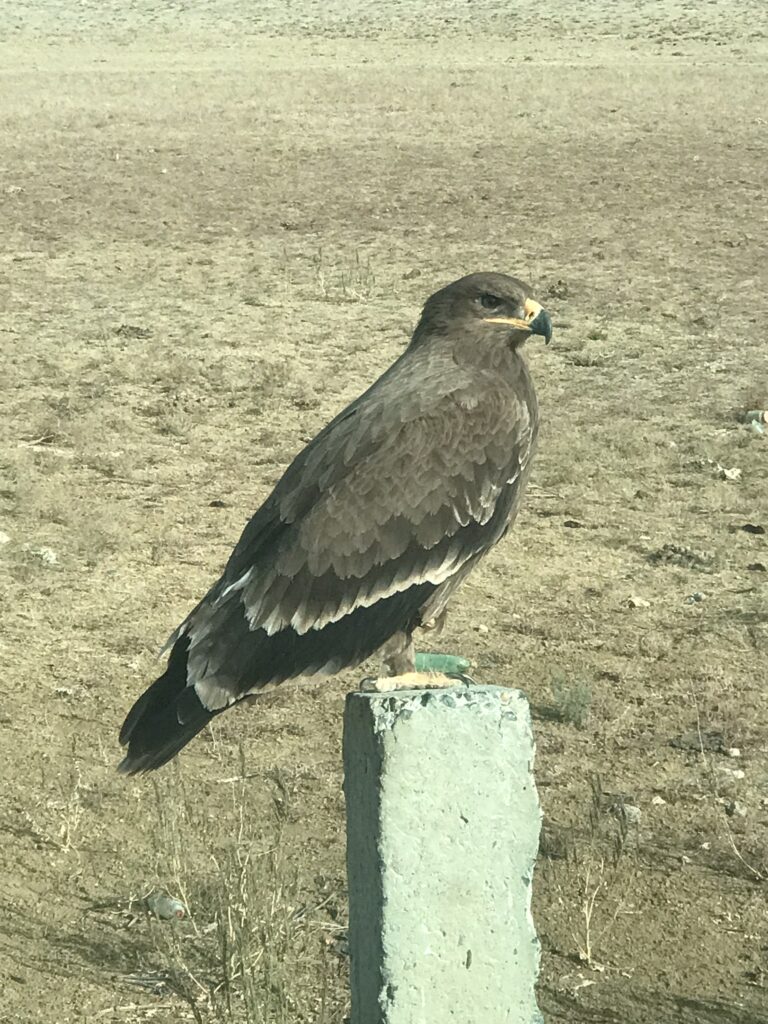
(216, 233)
(257, 946)
(572, 700)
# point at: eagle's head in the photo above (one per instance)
(478, 304)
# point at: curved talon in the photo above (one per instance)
(462, 677)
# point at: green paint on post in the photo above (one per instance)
(442, 834)
(447, 664)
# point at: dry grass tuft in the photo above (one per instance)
(572, 700)
(256, 947)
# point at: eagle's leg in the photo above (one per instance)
(399, 664)
(398, 655)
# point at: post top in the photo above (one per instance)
(386, 708)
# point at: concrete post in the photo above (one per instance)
(442, 834)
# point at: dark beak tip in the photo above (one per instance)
(542, 324)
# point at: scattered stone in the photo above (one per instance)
(164, 906)
(724, 473)
(632, 814)
(46, 555)
(756, 567)
(132, 331)
(481, 628)
(695, 598)
(658, 801)
(754, 528)
(733, 752)
(584, 982)
(217, 503)
(559, 289)
(612, 677)
(712, 741)
(5, 538)
(635, 601)
(735, 808)
(573, 524)
(685, 557)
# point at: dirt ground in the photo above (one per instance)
(217, 227)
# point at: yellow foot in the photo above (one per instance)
(408, 681)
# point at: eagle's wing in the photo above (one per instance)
(387, 503)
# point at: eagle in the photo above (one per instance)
(373, 525)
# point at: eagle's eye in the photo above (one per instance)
(489, 301)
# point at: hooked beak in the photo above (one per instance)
(537, 320)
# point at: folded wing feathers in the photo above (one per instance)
(350, 533)
(307, 589)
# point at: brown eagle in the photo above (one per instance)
(373, 525)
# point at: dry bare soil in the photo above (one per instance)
(218, 225)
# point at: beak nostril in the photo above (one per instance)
(531, 309)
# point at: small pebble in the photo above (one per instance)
(658, 801)
(632, 814)
(482, 629)
(734, 752)
(637, 602)
(5, 538)
(164, 906)
(46, 555)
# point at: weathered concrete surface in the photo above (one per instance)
(442, 833)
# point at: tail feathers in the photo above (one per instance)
(164, 719)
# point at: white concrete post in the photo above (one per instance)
(442, 834)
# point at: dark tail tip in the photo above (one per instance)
(164, 718)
